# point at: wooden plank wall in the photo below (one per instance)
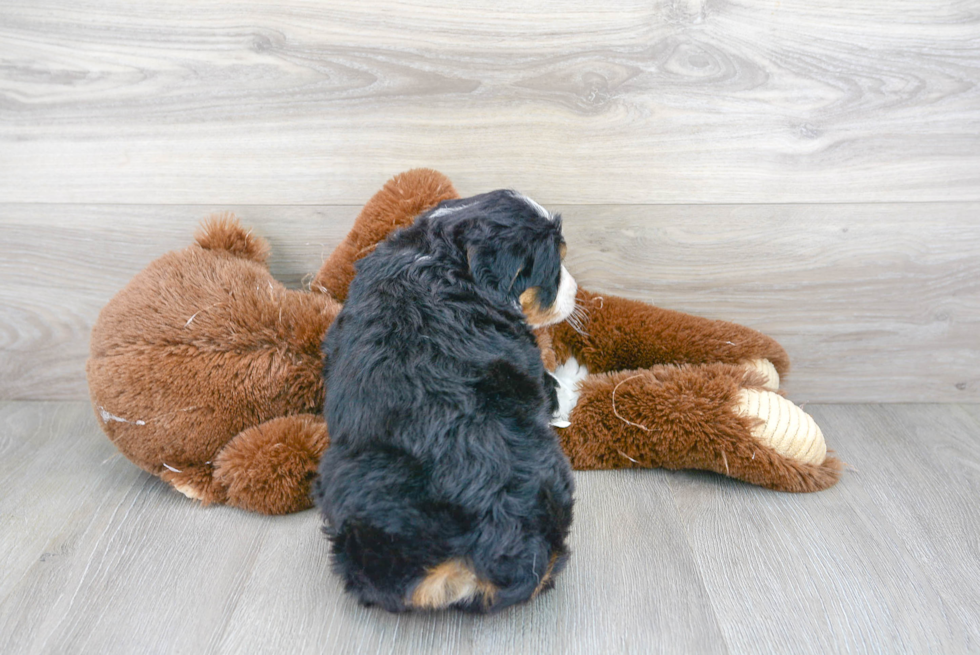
(811, 169)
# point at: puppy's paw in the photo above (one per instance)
(452, 582)
(768, 372)
(784, 427)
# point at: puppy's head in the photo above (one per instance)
(514, 246)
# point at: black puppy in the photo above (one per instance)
(444, 485)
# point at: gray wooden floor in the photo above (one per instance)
(98, 557)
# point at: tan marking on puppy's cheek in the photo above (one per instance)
(529, 305)
(536, 316)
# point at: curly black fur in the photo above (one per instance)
(438, 410)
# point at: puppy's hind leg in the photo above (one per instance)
(454, 582)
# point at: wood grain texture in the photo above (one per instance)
(123, 564)
(883, 562)
(96, 556)
(810, 169)
(111, 565)
(612, 597)
(61, 264)
(669, 101)
(873, 302)
(972, 410)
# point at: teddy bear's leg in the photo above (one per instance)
(396, 205)
(715, 417)
(269, 468)
(613, 334)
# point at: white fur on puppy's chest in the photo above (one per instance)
(568, 376)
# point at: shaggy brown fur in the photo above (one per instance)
(202, 348)
(403, 198)
(270, 468)
(627, 334)
(205, 371)
(662, 391)
(680, 417)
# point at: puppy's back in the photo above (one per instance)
(444, 485)
(399, 544)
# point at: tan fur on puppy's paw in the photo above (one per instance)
(766, 369)
(786, 428)
(451, 582)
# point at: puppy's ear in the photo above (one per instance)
(510, 242)
(497, 267)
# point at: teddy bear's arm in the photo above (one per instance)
(615, 334)
(714, 417)
(270, 467)
(396, 205)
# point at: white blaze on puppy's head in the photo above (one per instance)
(544, 213)
(446, 209)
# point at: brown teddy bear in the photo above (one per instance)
(206, 372)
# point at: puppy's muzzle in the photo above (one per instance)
(559, 310)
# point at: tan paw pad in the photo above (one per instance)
(189, 491)
(787, 429)
(765, 368)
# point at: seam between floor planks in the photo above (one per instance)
(891, 309)
(276, 597)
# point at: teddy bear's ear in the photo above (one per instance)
(223, 231)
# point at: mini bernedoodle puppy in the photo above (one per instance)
(444, 485)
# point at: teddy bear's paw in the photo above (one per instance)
(768, 372)
(785, 428)
(270, 467)
(188, 490)
(192, 481)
